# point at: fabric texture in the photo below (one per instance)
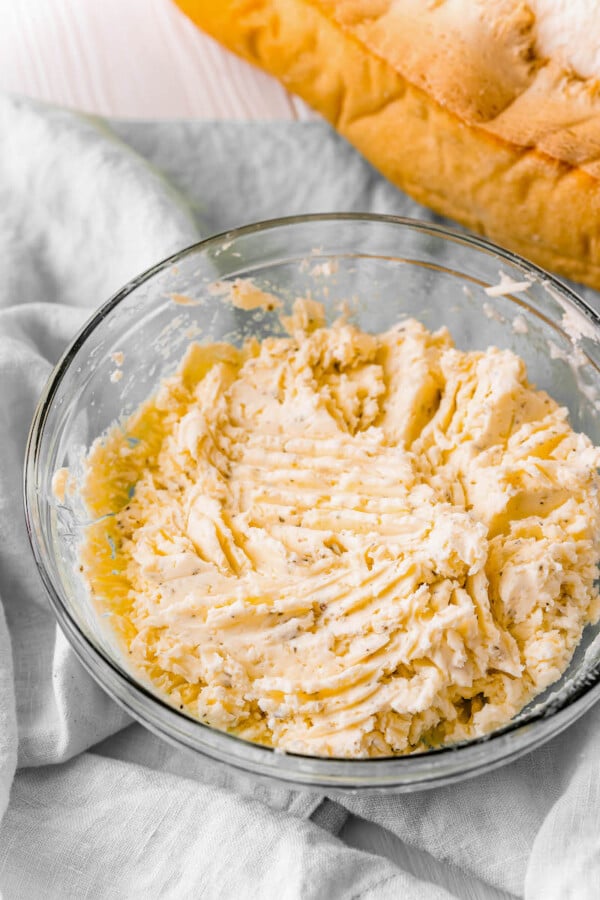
(98, 806)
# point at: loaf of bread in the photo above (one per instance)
(487, 111)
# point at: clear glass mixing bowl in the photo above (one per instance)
(386, 269)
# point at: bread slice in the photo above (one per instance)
(470, 106)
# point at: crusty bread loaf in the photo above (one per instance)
(455, 101)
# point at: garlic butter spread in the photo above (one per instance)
(346, 544)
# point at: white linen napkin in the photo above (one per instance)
(99, 807)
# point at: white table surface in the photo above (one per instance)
(144, 59)
(130, 58)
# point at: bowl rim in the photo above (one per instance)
(581, 687)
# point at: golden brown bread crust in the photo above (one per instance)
(450, 49)
(520, 196)
(481, 60)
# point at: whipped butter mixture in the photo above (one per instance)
(346, 544)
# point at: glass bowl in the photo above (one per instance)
(385, 269)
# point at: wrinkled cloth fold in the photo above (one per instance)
(98, 807)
